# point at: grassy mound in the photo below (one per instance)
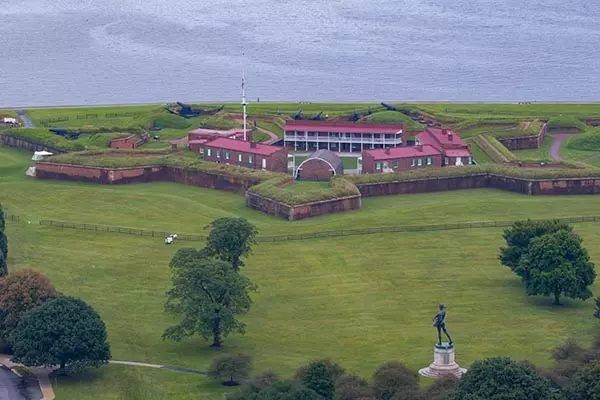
(589, 141)
(566, 122)
(393, 117)
(220, 120)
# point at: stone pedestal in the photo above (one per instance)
(443, 363)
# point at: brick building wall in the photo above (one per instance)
(276, 161)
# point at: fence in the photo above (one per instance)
(305, 236)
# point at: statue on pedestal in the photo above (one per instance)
(439, 321)
(443, 353)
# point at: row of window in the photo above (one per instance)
(413, 162)
(240, 157)
(227, 155)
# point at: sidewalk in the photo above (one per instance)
(40, 373)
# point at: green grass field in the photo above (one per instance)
(543, 153)
(360, 300)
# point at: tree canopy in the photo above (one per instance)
(208, 294)
(349, 387)
(556, 264)
(63, 331)
(393, 379)
(230, 239)
(502, 379)
(230, 368)
(3, 253)
(2, 220)
(320, 376)
(21, 291)
(521, 233)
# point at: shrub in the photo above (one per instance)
(230, 368)
(393, 378)
(569, 349)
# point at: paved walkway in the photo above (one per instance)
(44, 392)
(26, 120)
(556, 143)
(158, 366)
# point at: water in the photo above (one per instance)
(60, 52)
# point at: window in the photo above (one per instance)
(419, 162)
(378, 166)
(264, 163)
(412, 162)
(227, 155)
(250, 159)
(395, 164)
(446, 161)
(218, 154)
(208, 152)
(470, 160)
(429, 160)
(239, 157)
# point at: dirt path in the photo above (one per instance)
(158, 366)
(273, 136)
(27, 122)
(555, 147)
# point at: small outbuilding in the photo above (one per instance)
(320, 166)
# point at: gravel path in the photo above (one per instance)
(555, 147)
(26, 120)
(158, 366)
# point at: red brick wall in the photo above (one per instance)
(276, 161)
(315, 170)
(292, 213)
(525, 142)
(369, 164)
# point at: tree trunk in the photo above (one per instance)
(216, 333)
(236, 264)
(216, 340)
(557, 299)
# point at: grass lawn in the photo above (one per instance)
(113, 381)
(301, 186)
(347, 162)
(360, 300)
(271, 126)
(543, 153)
(479, 155)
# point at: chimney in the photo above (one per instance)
(253, 145)
(450, 137)
(420, 147)
(387, 150)
(444, 131)
(248, 135)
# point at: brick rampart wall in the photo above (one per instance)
(293, 213)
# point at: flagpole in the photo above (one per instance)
(244, 103)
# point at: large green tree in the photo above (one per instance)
(556, 264)
(320, 376)
(209, 295)
(63, 331)
(521, 233)
(20, 292)
(230, 239)
(394, 380)
(502, 379)
(2, 220)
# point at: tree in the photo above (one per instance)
(556, 264)
(585, 384)
(20, 292)
(209, 295)
(285, 390)
(3, 253)
(521, 233)
(442, 388)
(230, 239)
(251, 387)
(63, 331)
(502, 379)
(231, 367)
(597, 312)
(393, 378)
(2, 220)
(349, 387)
(320, 376)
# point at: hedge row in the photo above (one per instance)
(274, 189)
(447, 172)
(500, 148)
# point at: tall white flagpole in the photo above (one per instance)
(244, 103)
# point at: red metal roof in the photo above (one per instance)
(342, 127)
(457, 153)
(403, 152)
(436, 137)
(243, 146)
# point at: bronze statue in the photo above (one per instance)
(439, 321)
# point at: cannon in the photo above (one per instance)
(389, 107)
(187, 111)
(317, 117)
(355, 116)
(298, 115)
(71, 135)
